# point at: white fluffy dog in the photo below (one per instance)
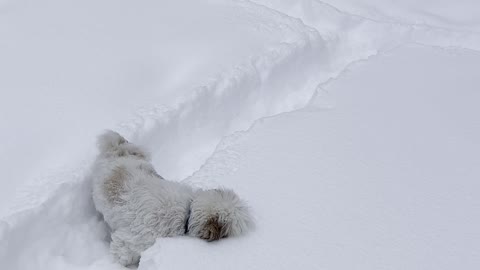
(140, 206)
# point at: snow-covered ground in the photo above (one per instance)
(351, 127)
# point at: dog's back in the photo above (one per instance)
(112, 175)
(125, 181)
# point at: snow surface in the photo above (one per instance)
(351, 127)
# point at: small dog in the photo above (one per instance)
(139, 205)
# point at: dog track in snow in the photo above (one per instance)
(187, 134)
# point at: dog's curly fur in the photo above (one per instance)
(140, 206)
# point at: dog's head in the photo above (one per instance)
(113, 145)
(218, 213)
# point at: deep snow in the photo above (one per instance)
(78, 67)
(378, 172)
(375, 166)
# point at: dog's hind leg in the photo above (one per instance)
(121, 248)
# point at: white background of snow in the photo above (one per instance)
(377, 169)
(386, 183)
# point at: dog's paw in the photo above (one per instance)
(121, 250)
(125, 256)
(127, 259)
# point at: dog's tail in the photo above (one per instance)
(110, 140)
(218, 213)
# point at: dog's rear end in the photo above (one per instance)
(218, 213)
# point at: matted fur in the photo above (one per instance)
(140, 206)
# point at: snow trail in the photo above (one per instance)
(50, 234)
(387, 178)
(319, 42)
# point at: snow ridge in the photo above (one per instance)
(51, 234)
